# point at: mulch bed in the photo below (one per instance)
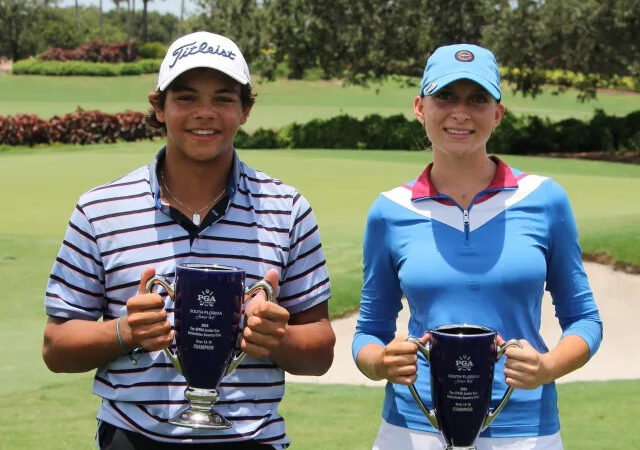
(603, 258)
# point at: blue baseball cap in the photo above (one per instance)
(461, 62)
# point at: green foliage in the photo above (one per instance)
(69, 68)
(279, 102)
(243, 21)
(28, 27)
(562, 79)
(372, 132)
(581, 36)
(363, 42)
(516, 134)
(16, 18)
(153, 50)
(348, 39)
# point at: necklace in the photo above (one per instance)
(473, 189)
(195, 218)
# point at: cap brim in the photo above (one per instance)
(453, 77)
(239, 77)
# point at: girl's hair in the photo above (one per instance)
(158, 98)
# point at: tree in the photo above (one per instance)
(599, 40)
(243, 21)
(101, 28)
(356, 39)
(456, 22)
(145, 20)
(16, 20)
(516, 37)
(77, 9)
(131, 13)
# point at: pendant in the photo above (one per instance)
(196, 219)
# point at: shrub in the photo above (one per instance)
(81, 127)
(152, 50)
(69, 68)
(515, 135)
(567, 78)
(94, 51)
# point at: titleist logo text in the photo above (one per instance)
(193, 48)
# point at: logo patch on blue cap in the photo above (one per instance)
(464, 56)
(431, 87)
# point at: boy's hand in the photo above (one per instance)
(265, 322)
(146, 323)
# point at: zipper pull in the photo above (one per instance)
(465, 216)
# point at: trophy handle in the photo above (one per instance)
(268, 290)
(162, 281)
(492, 414)
(429, 414)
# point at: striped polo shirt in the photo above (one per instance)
(118, 229)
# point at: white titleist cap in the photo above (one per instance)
(203, 49)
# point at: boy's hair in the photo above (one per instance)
(247, 98)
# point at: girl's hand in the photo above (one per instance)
(526, 368)
(398, 361)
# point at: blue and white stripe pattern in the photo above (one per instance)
(118, 229)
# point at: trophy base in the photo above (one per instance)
(454, 447)
(200, 412)
(192, 418)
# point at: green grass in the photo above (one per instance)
(594, 415)
(40, 188)
(279, 103)
(340, 184)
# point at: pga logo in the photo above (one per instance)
(206, 298)
(464, 363)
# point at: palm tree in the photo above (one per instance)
(131, 4)
(100, 21)
(144, 20)
(78, 22)
(117, 3)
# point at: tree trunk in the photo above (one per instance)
(101, 32)
(181, 18)
(78, 37)
(144, 20)
(131, 4)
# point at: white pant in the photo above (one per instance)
(392, 437)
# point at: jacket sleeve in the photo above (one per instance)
(381, 293)
(567, 281)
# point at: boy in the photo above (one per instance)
(195, 202)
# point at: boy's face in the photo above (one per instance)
(202, 113)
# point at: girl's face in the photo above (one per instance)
(459, 118)
(202, 113)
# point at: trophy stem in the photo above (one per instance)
(200, 412)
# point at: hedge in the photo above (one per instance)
(567, 78)
(67, 68)
(81, 127)
(515, 135)
(94, 51)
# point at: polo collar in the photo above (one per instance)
(503, 179)
(158, 162)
